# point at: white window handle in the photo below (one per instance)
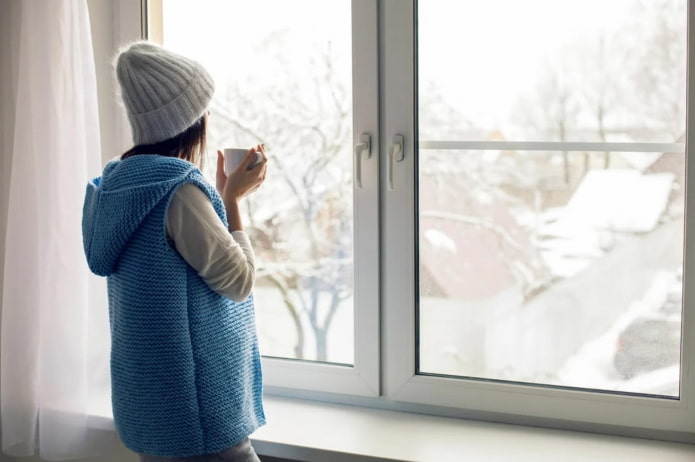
(396, 154)
(365, 144)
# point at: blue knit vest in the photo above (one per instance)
(185, 366)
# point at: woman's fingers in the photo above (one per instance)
(220, 176)
(220, 162)
(255, 157)
(248, 160)
(264, 158)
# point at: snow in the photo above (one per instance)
(640, 160)
(621, 199)
(592, 366)
(439, 240)
(605, 204)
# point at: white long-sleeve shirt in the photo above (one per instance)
(224, 260)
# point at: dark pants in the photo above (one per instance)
(242, 452)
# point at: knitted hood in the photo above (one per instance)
(117, 202)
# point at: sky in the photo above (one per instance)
(222, 33)
(482, 54)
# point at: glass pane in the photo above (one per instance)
(589, 70)
(284, 79)
(559, 268)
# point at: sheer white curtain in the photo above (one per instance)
(54, 327)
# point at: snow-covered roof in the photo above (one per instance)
(622, 200)
(605, 202)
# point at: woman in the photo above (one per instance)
(185, 367)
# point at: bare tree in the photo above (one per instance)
(658, 76)
(552, 108)
(602, 94)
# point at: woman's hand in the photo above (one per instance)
(243, 180)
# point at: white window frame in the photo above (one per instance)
(384, 374)
(362, 378)
(520, 403)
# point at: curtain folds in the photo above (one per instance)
(53, 352)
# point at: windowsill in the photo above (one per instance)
(315, 432)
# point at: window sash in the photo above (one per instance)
(520, 403)
(287, 376)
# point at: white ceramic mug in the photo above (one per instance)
(234, 156)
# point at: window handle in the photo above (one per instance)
(396, 154)
(365, 145)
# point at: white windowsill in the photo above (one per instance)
(322, 432)
(316, 432)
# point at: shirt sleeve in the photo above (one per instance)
(224, 260)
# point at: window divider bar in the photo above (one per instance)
(553, 146)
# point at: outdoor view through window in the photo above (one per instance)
(546, 255)
(550, 181)
(283, 78)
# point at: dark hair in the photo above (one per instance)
(188, 145)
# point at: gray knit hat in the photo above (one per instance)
(163, 92)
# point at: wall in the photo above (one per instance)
(8, 69)
(7, 103)
(8, 78)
